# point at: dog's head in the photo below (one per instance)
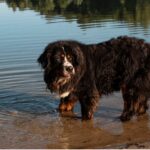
(62, 62)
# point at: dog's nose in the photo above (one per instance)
(69, 68)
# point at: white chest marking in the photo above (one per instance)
(65, 94)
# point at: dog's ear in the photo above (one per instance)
(78, 55)
(43, 60)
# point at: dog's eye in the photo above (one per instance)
(57, 59)
(69, 57)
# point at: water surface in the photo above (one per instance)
(28, 112)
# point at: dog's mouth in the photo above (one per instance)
(64, 78)
(59, 81)
(64, 75)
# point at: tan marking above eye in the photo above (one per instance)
(62, 55)
(69, 57)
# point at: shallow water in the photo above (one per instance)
(28, 112)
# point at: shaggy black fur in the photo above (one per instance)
(122, 64)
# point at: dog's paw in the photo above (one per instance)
(65, 106)
(126, 116)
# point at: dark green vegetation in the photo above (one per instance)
(131, 11)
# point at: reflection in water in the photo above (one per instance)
(86, 11)
(28, 113)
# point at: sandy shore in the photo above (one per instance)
(53, 130)
(140, 145)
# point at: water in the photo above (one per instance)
(28, 112)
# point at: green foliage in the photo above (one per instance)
(132, 11)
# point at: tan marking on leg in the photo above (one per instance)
(66, 106)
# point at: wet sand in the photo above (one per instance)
(53, 130)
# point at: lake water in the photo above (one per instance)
(28, 112)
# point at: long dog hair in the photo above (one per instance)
(121, 63)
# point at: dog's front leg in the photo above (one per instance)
(88, 103)
(67, 103)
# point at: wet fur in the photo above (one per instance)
(121, 63)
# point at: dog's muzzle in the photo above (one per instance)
(68, 69)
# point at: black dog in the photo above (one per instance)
(84, 72)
